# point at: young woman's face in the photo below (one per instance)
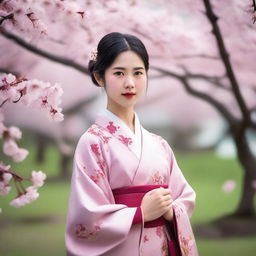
(125, 81)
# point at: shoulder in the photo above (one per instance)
(94, 134)
(160, 140)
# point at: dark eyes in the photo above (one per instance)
(138, 73)
(119, 73)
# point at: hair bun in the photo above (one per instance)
(91, 68)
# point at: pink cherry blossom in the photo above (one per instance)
(8, 93)
(4, 183)
(6, 178)
(38, 178)
(56, 116)
(4, 167)
(20, 155)
(10, 78)
(29, 196)
(4, 189)
(54, 94)
(10, 147)
(15, 132)
(229, 186)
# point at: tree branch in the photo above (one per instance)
(212, 79)
(7, 71)
(9, 16)
(225, 58)
(254, 5)
(254, 11)
(40, 52)
(253, 111)
(184, 80)
(203, 56)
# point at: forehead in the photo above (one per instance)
(128, 59)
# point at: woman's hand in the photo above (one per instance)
(156, 203)
(168, 215)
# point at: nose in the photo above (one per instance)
(129, 82)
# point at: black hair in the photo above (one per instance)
(110, 46)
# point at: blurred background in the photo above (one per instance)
(201, 98)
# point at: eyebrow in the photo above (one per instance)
(122, 68)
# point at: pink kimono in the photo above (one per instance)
(109, 157)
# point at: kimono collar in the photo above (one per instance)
(118, 128)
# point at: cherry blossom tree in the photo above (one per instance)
(29, 92)
(193, 43)
(240, 114)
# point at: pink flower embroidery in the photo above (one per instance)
(83, 233)
(177, 211)
(105, 139)
(127, 141)
(157, 178)
(95, 149)
(97, 132)
(102, 164)
(99, 174)
(164, 248)
(186, 244)
(145, 239)
(159, 231)
(111, 128)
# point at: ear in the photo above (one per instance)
(98, 78)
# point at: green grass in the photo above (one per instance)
(24, 231)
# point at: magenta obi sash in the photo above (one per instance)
(132, 197)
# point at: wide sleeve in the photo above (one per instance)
(183, 205)
(95, 224)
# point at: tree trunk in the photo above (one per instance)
(248, 162)
(41, 148)
(65, 166)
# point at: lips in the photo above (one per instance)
(128, 95)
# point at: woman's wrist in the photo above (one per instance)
(168, 215)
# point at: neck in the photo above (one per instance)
(126, 115)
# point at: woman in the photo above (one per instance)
(128, 195)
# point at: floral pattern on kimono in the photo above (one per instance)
(104, 162)
(112, 128)
(83, 233)
(157, 178)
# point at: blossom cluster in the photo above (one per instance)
(33, 93)
(30, 17)
(10, 147)
(30, 194)
(24, 196)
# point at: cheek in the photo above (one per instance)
(111, 79)
(142, 82)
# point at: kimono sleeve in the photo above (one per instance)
(183, 205)
(95, 224)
